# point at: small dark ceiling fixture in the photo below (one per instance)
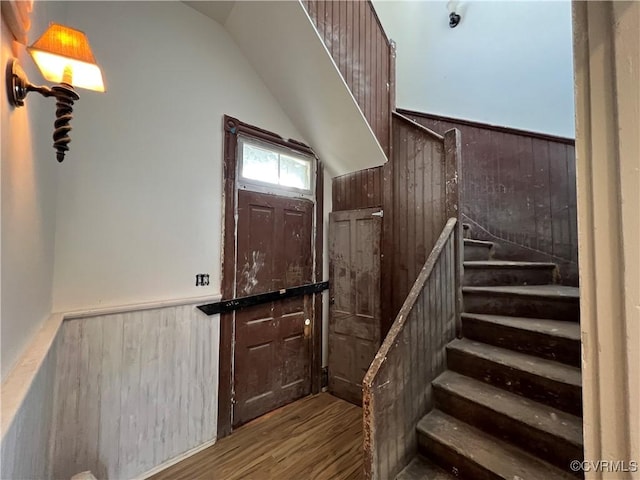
(454, 19)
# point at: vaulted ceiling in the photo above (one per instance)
(283, 46)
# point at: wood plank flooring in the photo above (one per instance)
(318, 437)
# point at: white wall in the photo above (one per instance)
(139, 205)
(506, 63)
(29, 184)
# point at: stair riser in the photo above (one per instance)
(450, 460)
(477, 253)
(507, 276)
(559, 349)
(522, 306)
(560, 395)
(553, 449)
(420, 469)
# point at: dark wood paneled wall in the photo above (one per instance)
(397, 388)
(519, 190)
(362, 189)
(415, 210)
(364, 55)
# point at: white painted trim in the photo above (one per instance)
(175, 460)
(19, 380)
(136, 307)
(607, 118)
(18, 383)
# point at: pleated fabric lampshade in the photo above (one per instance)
(63, 55)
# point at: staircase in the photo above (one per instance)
(509, 405)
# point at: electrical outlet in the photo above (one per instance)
(202, 279)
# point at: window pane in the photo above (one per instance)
(295, 172)
(259, 164)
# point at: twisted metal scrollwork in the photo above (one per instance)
(18, 86)
(65, 96)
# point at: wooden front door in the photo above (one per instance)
(272, 347)
(354, 315)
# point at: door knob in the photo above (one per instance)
(307, 328)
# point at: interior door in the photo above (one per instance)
(354, 283)
(272, 355)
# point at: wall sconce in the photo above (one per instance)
(454, 18)
(64, 57)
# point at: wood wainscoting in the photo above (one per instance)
(134, 390)
(518, 190)
(397, 388)
(364, 55)
(318, 437)
(361, 189)
(418, 190)
(418, 182)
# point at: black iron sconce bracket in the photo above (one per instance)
(18, 86)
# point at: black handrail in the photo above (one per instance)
(225, 306)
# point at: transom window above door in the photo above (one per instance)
(268, 166)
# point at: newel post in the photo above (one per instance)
(453, 177)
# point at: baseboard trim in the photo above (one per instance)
(174, 460)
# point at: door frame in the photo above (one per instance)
(232, 128)
(605, 40)
(365, 212)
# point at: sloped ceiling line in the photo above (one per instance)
(283, 46)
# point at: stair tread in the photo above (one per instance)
(550, 369)
(422, 469)
(548, 291)
(537, 415)
(556, 328)
(482, 243)
(502, 458)
(507, 264)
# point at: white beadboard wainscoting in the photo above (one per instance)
(27, 408)
(134, 390)
(119, 391)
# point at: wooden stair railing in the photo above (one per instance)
(353, 34)
(421, 199)
(397, 386)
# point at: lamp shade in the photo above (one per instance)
(63, 54)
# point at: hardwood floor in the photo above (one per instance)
(318, 437)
